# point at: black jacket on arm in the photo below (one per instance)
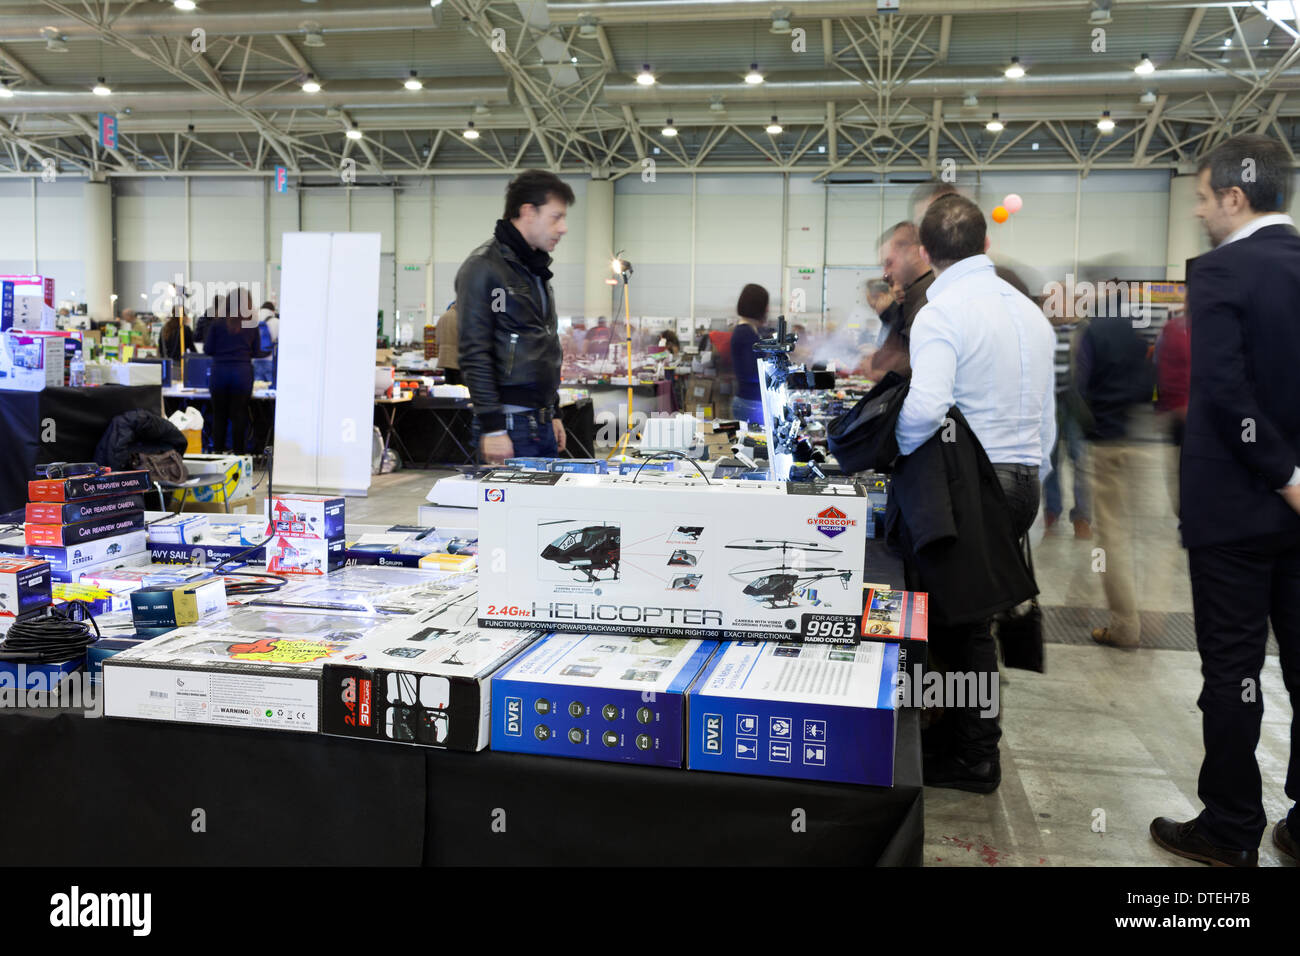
(1242, 440)
(510, 351)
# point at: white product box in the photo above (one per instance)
(137, 373)
(81, 556)
(670, 555)
(179, 529)
(453, 502)
(31, 313)
(306, 534)
(421, 678)
(30, 361)
(791, 710)
(236, 470)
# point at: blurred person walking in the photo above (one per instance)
(445, 333)
(909, 274)
(751, 308)
(232, 342)
(1240, 492)
(1069, 431)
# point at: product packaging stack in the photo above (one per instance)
(85, 521)
(306, 535)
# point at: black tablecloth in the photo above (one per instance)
(58, 424)
(101, 791)
(261, 419)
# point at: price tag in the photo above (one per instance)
(829, 629)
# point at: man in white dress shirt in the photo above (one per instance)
(986, 348)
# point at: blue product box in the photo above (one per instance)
(313, 517)
(585, 466)
(210, 553)
(529, 464)
(37, 677)
(104, 648)
(796, 710)
(633, 467)
(76, 557)
(6, 305)
(598, 697)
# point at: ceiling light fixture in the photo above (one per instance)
(185, 5)
(645, 77)
(1147, 98)
(314, 36)
(309, 85)
(716, 104)
(413, 82)
(753, 77)
(1106, 124)
(470, 131)
(1145, 67)
(1014, 71)
(780, 23)
(5, 92)
(353, 133)
(971, 100)
(994, 125)
(1099, 15)
(669, 129)
(774, 127)
(587, 26)
(101, 88)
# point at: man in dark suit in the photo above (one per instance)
(1240, 505)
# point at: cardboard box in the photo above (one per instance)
(117, 561)
(83, 509)
(178, 605)
(88, 486)
(306, 533)
(81, 556)
(83, 531)
(422, 679)
(137, 373)
(24, 586)
(30, 361)
(235, 472)
(34, 285)
(179, 529)
(30, 313)
(598, 697)
(670, 555)
(791, 710)
(899, 617)
(238, 506)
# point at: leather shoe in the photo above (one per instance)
(1181, 839)
(1104, 635)
(951, 772)
(1083, 529)
(1284, 840)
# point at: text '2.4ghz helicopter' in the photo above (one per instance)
(590, 550)
(777, 587)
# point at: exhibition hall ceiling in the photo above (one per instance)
(377, 90)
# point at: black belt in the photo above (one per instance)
(544, 416)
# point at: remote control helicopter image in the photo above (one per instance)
(778, 587)
(589, 550)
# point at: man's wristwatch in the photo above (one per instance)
(495, 434)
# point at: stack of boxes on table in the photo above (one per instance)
(664, 621)
(32, 350)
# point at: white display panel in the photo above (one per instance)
(329, 295)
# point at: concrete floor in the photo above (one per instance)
(1095, 748)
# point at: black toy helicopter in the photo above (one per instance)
(776, 587)
(591, 550)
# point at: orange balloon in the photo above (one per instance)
(1000, 214)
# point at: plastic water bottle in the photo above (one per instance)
(76, 373)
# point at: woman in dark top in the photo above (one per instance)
(232, 342)
(747, 405)
(169, 342)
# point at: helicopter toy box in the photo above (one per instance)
(598, 697)
(671, 554)
(792, 710)
(423, 679)
(257, 668)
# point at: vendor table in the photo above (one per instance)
(609, 403)
(58, 424)
(261, 414)
(101, 791)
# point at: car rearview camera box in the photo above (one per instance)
(598, 697)
(71, 558)
(24, 586)
(421, 679)
(306, 534)
(671, 555)
(796, 710)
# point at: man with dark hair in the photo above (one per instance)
(1240, 491)
(987, 349)
(926, 193)
(510, 353)
(907, 271)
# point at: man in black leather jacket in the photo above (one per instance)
(510, 353)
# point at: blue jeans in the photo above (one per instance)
(747, 410)
(1068, 430)
(531, 437)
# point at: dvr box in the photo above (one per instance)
(76, 557)
(313, 517)
(88, 486)
(24, 586)
(598, 697)
(900, 617)
(83, 531)
(83, 509)
(178, 605)
(795, 710)
(30, 361)
(424, 679)
(667, 554)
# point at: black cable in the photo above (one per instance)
(672, 454)
(52, 636)
(263, 584)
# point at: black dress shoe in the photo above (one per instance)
(1284, 840)
(954, 773)
(1182, 840)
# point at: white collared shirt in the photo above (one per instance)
(984, 347)
(1262, 222)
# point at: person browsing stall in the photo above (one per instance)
(510, 353)
(751, 309)
(232, 342)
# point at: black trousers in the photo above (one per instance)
(1236, 589)
(971, 648)
(231, 387)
